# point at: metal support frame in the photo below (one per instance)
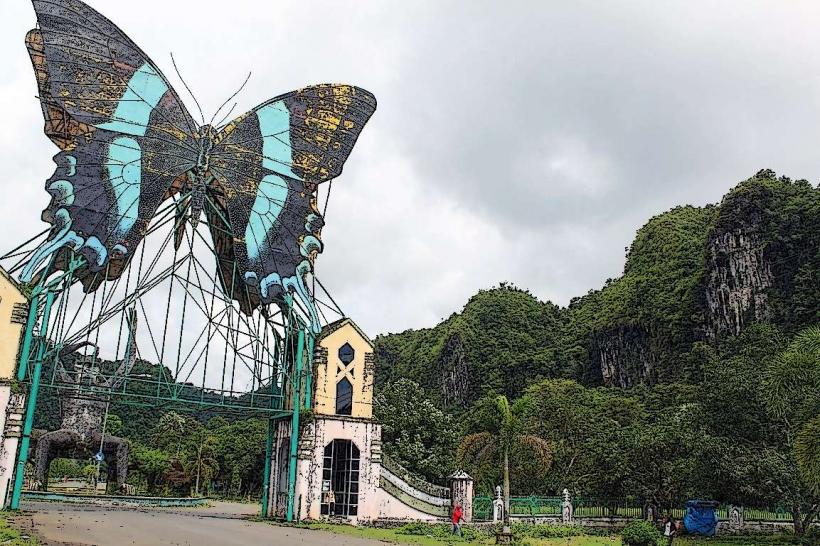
(261, 344)
(31, 403)
(294, 430)
(266, 501)
(309, 374)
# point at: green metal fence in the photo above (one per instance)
(535, 506)
(519, 506)
(610, 507)
(482, 508)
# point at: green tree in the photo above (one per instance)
(793, 395)
(507, 437)
(113, 425)
(153, 464)
(807, 453)
(585, 428)
(241, 455)
(170, 430)
(61, 467)
(202, 456)
(415, 433)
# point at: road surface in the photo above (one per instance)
(219, 525)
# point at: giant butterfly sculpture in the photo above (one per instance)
(128, 143)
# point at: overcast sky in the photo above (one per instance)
(517, 141)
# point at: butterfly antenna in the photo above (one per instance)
(198, 107)
(229, 99)
(221, 121)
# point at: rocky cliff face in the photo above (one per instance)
(741, 276)
(738, 276)
(455, 373)
(624, 355)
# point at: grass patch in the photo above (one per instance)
(745, 540)
(11, 536)
(394, 536)
(425, 534)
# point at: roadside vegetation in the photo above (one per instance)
(534, 535)
(10, 536)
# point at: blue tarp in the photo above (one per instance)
(700, 517)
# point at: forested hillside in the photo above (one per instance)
(693, 275)
(695, 374)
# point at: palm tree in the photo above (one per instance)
(171, 429)
(487, 446)
(202, 460)
(807, 453)
(803, 360)
(792, 386)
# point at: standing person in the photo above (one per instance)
(669, 530)
(331, 502)
(329, 498)
(458, 517)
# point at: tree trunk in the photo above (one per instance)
(506, 490)
(808, 518)
(198, 467)
(798, 521)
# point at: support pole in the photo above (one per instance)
(266, 478)
(309, 375)
(22, 451)
(294, 431)
(22, 367)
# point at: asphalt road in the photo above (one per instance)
(219, 525)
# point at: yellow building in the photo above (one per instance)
(340, 471)
(344, 371)
(13, 314)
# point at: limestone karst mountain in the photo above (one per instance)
(693, 277)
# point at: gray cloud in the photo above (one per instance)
(520, 141)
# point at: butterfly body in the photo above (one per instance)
(128, 143)
(199, 176)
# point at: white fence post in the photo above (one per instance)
(566, 508)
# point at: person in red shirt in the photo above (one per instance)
(458, 517)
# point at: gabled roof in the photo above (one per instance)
(4, 274)
(337, 324)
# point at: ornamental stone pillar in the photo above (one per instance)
(461, 492)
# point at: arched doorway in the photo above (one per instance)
(340, 474)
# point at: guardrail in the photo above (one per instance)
(415, 501)
(413, 479)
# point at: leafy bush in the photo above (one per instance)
(532, 530)
(439, 530)
(640, 533)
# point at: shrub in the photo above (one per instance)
(547, 530)
(640, 533)
(439, 531)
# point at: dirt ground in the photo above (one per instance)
(223, 524)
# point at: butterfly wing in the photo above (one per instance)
(267, 164)
(123, 133)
